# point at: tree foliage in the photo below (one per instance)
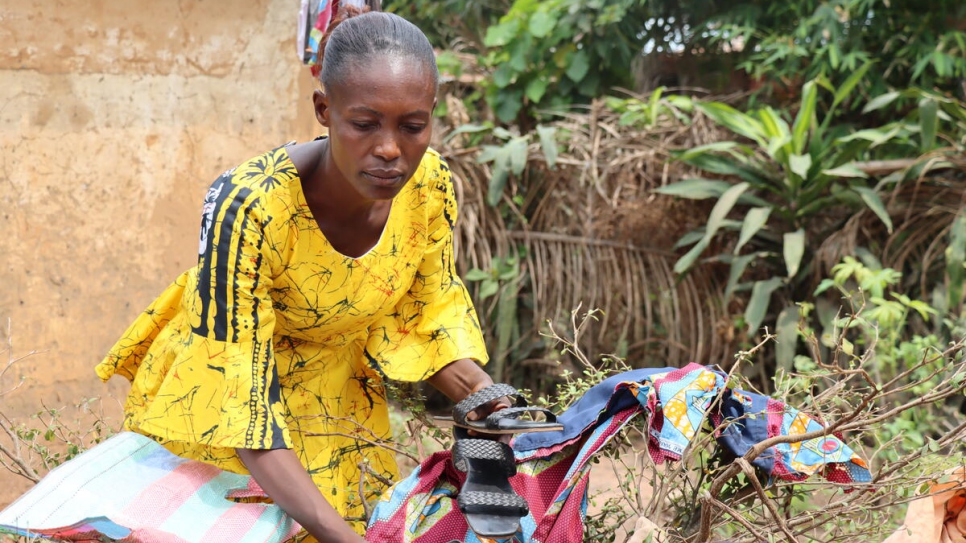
(544, 54)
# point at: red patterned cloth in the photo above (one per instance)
(553, 467)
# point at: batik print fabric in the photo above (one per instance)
(553, 468)
(276, 340)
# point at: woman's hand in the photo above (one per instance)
(463, 377)
(284, 479)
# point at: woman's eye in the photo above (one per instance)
(414, 128)
(363, 125)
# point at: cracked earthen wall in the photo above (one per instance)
(115, 115)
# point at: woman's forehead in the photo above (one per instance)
(383, 78)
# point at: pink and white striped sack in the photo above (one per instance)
(131, 489)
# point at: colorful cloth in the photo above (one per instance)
(553, 471)
(275, 339)
(553, 468)
(130, 488)
(314, 19)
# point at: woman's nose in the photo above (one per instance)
(387, 149)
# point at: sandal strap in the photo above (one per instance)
(515, 413)
(493, 503)
(483, 396)
(498, 455)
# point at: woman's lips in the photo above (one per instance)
(384, 177)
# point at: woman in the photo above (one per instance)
(324, 268)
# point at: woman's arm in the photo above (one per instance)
(461, 378)
(284, 479)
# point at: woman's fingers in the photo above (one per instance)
(482, 412)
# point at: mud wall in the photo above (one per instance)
(115, 115)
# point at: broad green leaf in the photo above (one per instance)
(833, 56)
(508, 104)
(536, 88)
(520, 54)
(489, 153)
(778, 144)
(775, 127)
(846, 170)
(849, 84)
(759, 301)
(824, 285)
(877, 136)
(793, 248)
(579, 66)
(468, 129)
(517, 152)
(487, 289)
(502, 133)
(928, 108)
(501, 34)
(754, 220)
(695, 188)
(476, 274)
(955, 257)
(503, 75)
(734, 120)
(803, 121)
(499, 176)
(693, 236)
(799, 164)
(880, 101)
(541, 23)
(871, 199)
(731, 165)
(653, 105)
(684, 103)
(548, 142)
(702, 149)
(738, 266)
(722, 207)
(685, 262)
(786, 337)
(718, 214)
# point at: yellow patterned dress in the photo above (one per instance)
(277, 340)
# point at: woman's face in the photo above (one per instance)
(380, 123)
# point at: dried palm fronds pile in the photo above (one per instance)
(924, 211)
(593, 235)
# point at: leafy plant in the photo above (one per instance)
(638, 112)
(504, 280)
(557, 52)
(510, 157)
(710, 496)
(788, 176)
(912, 43)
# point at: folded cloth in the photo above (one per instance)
(130, 488)
(553, 467)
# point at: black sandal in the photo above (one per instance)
(504, 421)
(491, 507)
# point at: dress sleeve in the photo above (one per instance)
(221, 388)
(434, 323)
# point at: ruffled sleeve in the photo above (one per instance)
(434, 323)
(210, 377)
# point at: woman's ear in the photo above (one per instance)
(321, 102)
